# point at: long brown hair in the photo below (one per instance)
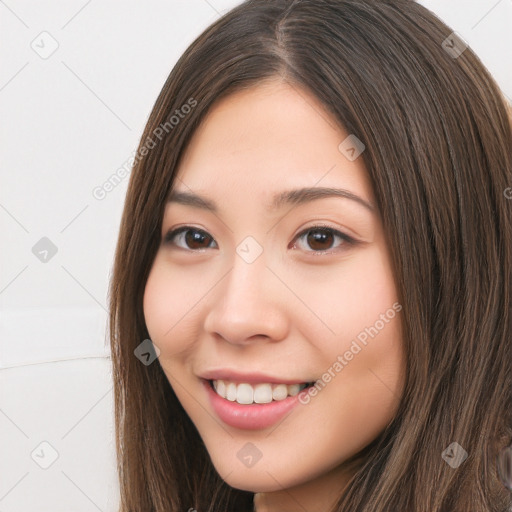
(439, 156)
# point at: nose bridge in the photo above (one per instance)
(246, 304)
(248, 274)
(243, 293)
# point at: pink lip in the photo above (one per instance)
(249, 378)
(253, 416)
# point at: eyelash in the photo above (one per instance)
(347, 240)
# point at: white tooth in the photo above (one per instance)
(263, 393)
(221, 388)
(293, 389)
(280, 392)
(231, 392)
(244, 394)
(215, 385)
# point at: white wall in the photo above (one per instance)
(77, 82)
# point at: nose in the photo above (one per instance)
(248, 305)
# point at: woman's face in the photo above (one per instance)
(251, 295)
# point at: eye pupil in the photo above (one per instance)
(317, 235)
(192, 237)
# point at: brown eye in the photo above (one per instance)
(322, 238)
(189, 238)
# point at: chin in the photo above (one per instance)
(256, 479)
(255, 483)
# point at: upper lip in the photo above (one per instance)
(248, 377)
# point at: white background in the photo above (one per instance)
(69, 120)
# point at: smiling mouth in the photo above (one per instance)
(263, 393)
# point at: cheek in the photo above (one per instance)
(364, 348)
(370, 285)
(348, 298)
(155, 304)
(359, 392)
(168, 305)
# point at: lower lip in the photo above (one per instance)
(252, 416)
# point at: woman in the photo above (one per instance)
(316, 243)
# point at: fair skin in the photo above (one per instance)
(293, 310)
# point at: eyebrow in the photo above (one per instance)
(295, 197)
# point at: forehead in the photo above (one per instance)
(271, 137)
